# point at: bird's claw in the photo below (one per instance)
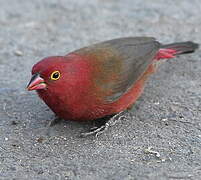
(94, 131)
(100, 130)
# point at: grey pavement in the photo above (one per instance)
(159, 139)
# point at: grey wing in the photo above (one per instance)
(136, 54)
(127, 58)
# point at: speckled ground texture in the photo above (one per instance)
(159, 139)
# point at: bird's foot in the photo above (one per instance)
(104, 127)
(55, 121)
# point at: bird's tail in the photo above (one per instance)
(182, 47)
(171, 50)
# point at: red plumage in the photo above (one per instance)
(102, 79)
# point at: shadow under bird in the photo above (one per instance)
(101, 80)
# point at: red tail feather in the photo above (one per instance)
(166, 54)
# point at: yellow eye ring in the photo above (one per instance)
(55, 75)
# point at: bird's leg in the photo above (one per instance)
(97, 130)
(55, 121)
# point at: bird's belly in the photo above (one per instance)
(82, 110)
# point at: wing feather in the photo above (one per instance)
(119, 63)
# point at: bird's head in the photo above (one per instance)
(59, 73)
(48, 73)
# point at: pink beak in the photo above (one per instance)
(36, 83)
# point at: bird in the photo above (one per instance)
(101, 80)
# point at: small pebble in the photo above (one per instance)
(18, 53)
(40, 139)
(14, 123)
(149, 150)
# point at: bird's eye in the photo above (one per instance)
(55, 75)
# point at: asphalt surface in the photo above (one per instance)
(159, 139)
